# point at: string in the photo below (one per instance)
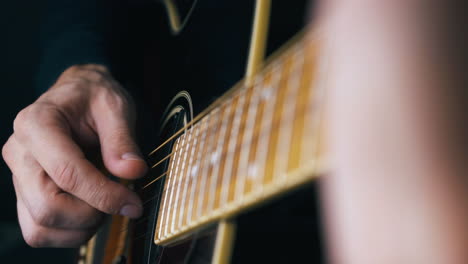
(234, 92)
(270, 63)
(160, 162)
(274, 121)
(256, 92)
(301, 110)
(215, 104)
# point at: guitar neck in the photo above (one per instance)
(261, 141)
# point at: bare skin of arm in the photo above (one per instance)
(61, 195)
(397, 192)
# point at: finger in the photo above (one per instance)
(115, 125)
(46, 203)
(39, 236)
(51, 145)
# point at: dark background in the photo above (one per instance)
(19, 55)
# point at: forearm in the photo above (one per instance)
(397, 192)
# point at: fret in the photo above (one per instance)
(270, 94)
(247, 132)
(287, 115)
(187, 142)
(187, 174)
(212, 159)
(227, 182)
(252, 168)
(273, 140)
(258, 143)
(313, 114)
(175, 181)
(305, 89)
(194, 171)
(164, 208)
(213, 201)
(205, 163)
(161, 210)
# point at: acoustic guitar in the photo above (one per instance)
(235, 182)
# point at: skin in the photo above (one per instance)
(61, 195)
(396, 111)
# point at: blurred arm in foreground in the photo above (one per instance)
(398, 133)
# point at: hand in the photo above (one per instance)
(61, 194)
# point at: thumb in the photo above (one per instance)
(120, 153)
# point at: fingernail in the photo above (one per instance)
(131, 210)
(131, 156)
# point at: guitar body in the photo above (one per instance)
(185, 74)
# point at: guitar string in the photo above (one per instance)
(274, 121)
(241, 85)
(256, 93)
(152, 198)
(137, 222)
(301, 110)
(234, 92)
(208, 127)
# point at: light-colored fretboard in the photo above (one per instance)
(259, 143)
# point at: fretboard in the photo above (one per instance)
(253, 146)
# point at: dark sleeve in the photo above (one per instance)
(78, 32)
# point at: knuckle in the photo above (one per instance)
(37, 114)
(66, 176)
(44, 216)
(34, 237)
(6, 151)
(21, 120)
(116, 102)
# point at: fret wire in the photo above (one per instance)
(218, 152)
(315, 108)
(188, 176)
(248, 133)
(309, 108)
(175, 181)
(166, 193)
(230, 115)
(302, 110)
(252, 165)
(196, 171)
(206, 162)
(232, 144)
(285, 132)
(261, 156)
(239, 91)
(174, 208)
(231, 92)
(275, 122)
(184, 173)
(302, 96)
